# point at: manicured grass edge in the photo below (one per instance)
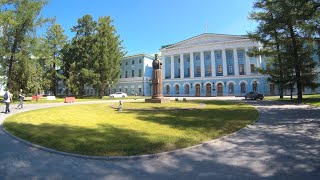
(147, 156)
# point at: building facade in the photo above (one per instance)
(213, 65)
(204, 65)
(136, 75)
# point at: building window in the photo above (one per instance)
(188, 72)
(229, 55)
(140, 73)
(132, 73)
(220, 69)
(241, 72)
(139, 61)
(126, 90)
(140, 91)
(186, 89)
(240, 55)
(208, 72)
(178, 60)
(179, 71)
(198, 70)
(243, 87)
(177, 89)
(255, 86)
(120, 90)
(188, 59)
(230, 69)
(252, 68)
(132, 61)
(120, 76)
(197, 58)
(126, 62)
(218, 56)
(231, 88)
(126, 75)
(168, 89)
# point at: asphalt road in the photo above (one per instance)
(283, 144)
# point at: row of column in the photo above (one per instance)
(213, 66)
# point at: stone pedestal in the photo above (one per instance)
(157, 96)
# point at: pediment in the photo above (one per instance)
(206, 39)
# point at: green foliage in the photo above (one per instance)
(93, 58)
(287, 29)
(52, 45)
(19, 20)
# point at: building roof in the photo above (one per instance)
(207, 38)
(139, 55)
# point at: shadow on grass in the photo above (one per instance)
(103, 141)
(196, 126)
(228, 119)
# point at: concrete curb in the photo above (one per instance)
(137, 157)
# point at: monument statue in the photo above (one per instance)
(156, 64)
(157, 96)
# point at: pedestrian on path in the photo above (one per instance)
(7, 98)
(21, 98)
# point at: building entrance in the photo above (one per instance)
(198, 90)
(208, 89)
(220, 89)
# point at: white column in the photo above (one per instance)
(181, 66)
(213, 64)
(236, 63)
(191, 66)
(172, 67)
(248, 71)
(259, 60)
(163, 59)
(224, 63)
(202, 63)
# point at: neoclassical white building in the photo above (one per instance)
(205, 65)
(213, 65)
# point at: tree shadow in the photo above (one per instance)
(106, 140)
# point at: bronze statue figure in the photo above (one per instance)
(156, 64)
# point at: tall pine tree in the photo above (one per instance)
(284, 25)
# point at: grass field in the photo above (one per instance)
(84, 99)
(97, 129)
(313, 99)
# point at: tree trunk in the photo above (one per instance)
(297, 63)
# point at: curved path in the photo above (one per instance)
(283, 144)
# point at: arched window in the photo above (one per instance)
(168, 89)
(243, 87)
(231, 88)
(255, 86)
(208, 89)
(177, 89)
(186, 89)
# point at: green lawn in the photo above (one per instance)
(97, 129)
(84, 99)
(313, 99)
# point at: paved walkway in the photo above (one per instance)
(283, 144)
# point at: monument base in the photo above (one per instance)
(162, 100)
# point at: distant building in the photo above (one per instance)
(135, 78)
(136, 75)
(214, 65)
(204, 65)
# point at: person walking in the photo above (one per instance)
(21, 98)
(7, 98)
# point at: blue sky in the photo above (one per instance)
(146, 25)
